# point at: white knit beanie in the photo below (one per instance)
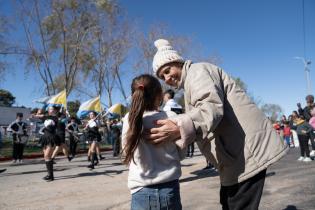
(165, 54)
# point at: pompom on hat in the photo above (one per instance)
(165, 54)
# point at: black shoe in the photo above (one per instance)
(91, 166)
(51, 170)
(3, 170)
(101, 157)
(70, 158)
(208, 167)
(48, 178)
(95, 159)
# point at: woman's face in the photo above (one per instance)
(294, 115)
(92, 115)
(51, 111)
(171, 74)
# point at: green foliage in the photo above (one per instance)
(6, 98)
(73, 107)
(104, 5)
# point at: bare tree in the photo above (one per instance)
(36, 50)
(146, 49)
(109, 49)
(273, 111)
(3, 44)
(68, 27)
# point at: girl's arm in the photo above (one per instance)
(39, 116)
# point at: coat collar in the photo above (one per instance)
(185, 68)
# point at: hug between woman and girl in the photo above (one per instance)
(232, 132)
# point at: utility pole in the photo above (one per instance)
(307, 73)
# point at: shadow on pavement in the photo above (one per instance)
(22, 173)
(290, 207)
(25, 162)
(92, 173)
(200, 174)
(30, 172)
(272, 173)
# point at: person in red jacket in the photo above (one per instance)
(287, 133)
(277, 126)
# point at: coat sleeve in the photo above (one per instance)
(309, 128)
(124, 131)
(206, 92)
(187, 130)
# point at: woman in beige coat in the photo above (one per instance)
(236, 136)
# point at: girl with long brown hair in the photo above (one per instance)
(152, 168)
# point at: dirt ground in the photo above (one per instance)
(290, 185)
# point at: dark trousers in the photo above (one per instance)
(73, 146)
(303, 140)
(312, 139)
(190, 149)
(18, 150)
(245, 195)
(116, 148)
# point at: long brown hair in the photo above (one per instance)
(146, 91)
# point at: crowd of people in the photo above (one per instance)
(56, 125)
(302, 122)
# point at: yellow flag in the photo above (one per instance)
(59, 99)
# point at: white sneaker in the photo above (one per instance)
(21, 161)
(307, 159)
(312, 153)
(301, 158)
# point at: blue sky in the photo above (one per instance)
(256, 40)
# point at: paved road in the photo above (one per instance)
(290, 185)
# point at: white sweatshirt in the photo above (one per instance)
(153, 164)
(171, 103)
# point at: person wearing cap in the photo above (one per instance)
(237, 137)
(19, 132)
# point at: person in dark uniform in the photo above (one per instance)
(61, 132)
(19, 134)
(94, 138)
(73, 129)
(48, 139)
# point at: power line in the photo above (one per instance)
(303, 18)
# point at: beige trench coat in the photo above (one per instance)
(235, 134)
